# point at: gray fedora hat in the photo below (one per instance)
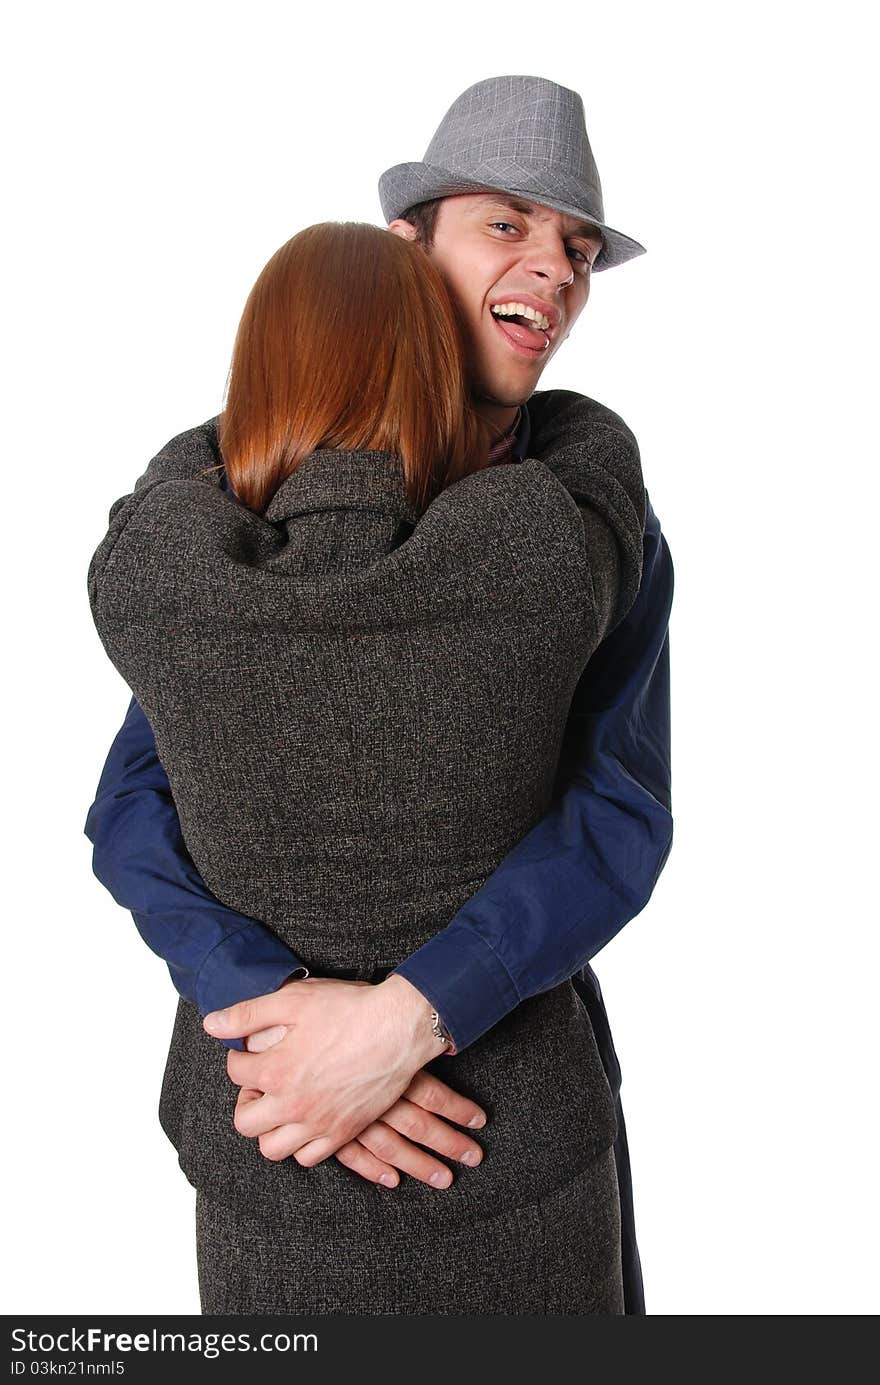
(521, 135)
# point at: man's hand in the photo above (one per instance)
(350, 1052)
(382, 1152)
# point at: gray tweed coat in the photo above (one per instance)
(360, 713)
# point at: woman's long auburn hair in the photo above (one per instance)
(349, 339)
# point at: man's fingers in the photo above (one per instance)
(431, 1094)
(358, 1158)
(391, 1147)
(261, 1070)
(248, 1094)
(419, 1125)
(316, 1151)
(283, 1141)
(275, 1141)
(277, 1007)
(265, 1038)
(250, 1015)
(256, 1114)
(379, 1154)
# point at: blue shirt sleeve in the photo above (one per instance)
(215, 955)
(590, 865)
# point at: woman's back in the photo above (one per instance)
(356, 731)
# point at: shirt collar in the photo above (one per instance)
(513, 445)
(520, 448)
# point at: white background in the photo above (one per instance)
(156, 158)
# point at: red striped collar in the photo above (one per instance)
(502, 450)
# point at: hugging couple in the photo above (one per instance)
(397, 761)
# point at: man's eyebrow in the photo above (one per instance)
(515, 204)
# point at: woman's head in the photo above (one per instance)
(349, 339)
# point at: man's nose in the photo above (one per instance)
(549, 260)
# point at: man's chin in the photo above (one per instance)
(506, 396)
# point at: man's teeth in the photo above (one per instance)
(521, 310)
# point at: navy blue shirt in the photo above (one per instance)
(569, 886)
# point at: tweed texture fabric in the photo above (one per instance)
(559, 1256)
(360, 711)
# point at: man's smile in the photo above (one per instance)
(527, 323)
(527, 340)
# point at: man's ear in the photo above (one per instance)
(403, 228)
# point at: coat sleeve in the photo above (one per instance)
(596, 457)
(121, 514)
(590, 865)
(188, 455)
(191, 455)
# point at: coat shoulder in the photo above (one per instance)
(190, 454)
(562, 416)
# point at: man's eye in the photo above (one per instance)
(572, 249)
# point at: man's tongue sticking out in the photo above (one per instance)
(522, 331)
(530, 335)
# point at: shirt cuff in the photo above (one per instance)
(247, 963)
(464, 979)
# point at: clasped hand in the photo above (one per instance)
(336, 1067)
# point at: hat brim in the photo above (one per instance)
(405, 185)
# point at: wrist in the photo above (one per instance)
(413, 1014)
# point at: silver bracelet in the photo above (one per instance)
(439, 1029)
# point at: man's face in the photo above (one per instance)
(498, 252)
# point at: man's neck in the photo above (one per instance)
(501, 417)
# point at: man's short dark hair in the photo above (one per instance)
(423, 215)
